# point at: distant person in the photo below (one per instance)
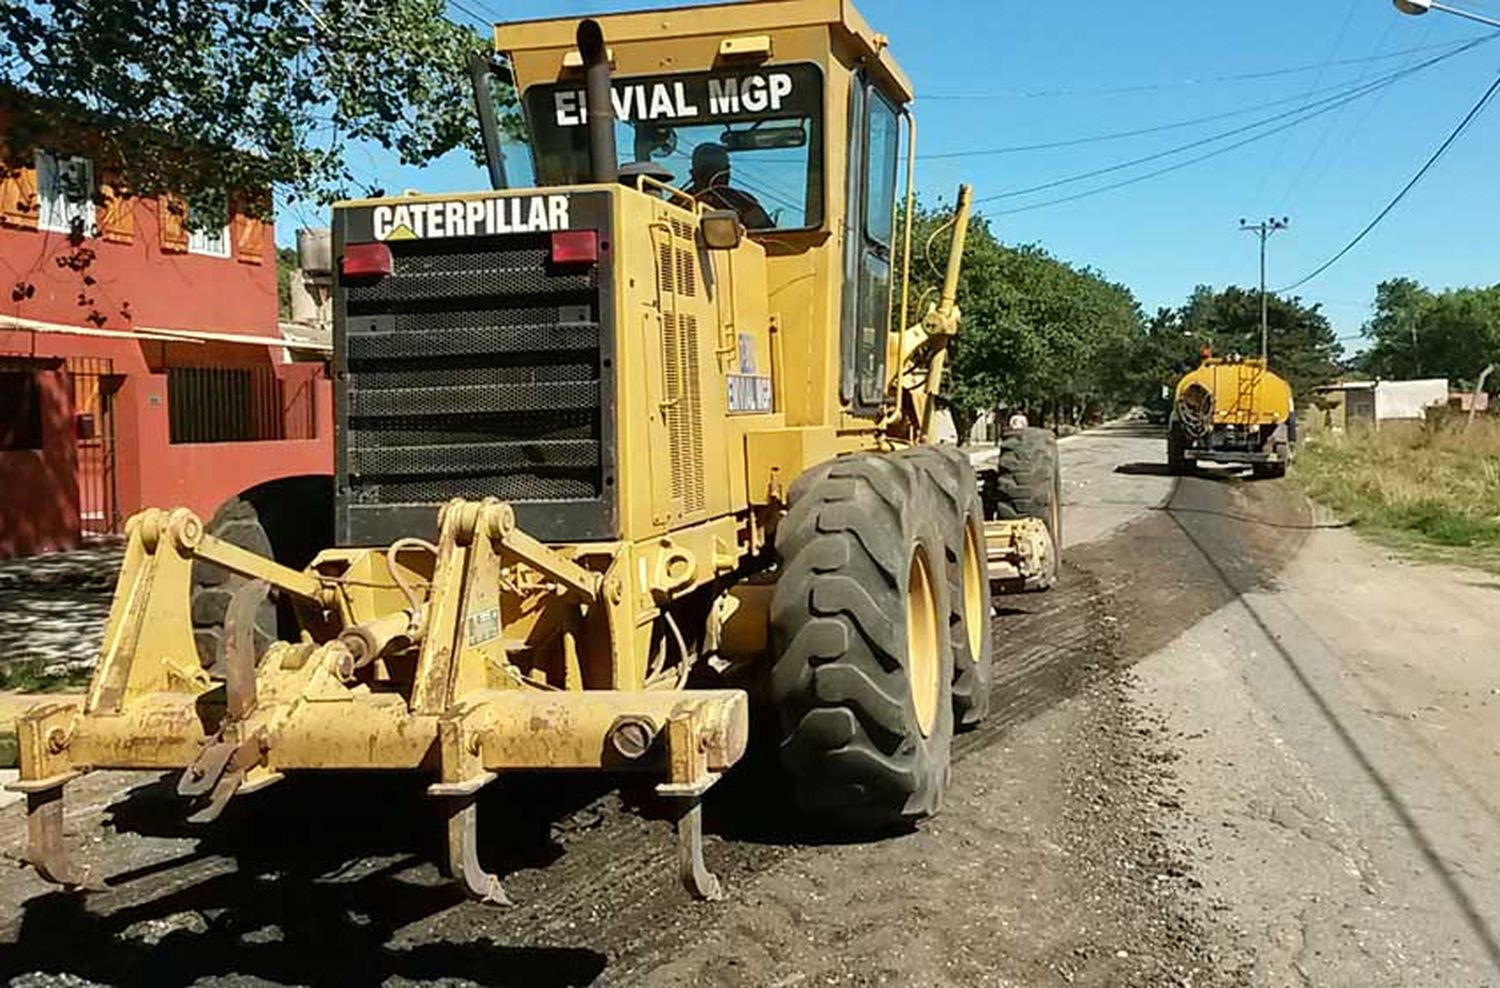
(1017, 421)
(711, 187)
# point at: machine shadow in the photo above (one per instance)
(1215, 474)
(267, 928)
(306, 883)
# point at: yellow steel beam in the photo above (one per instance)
(258, 567)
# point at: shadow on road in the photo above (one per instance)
(308, 883)
(1215, 474)
(1144, 469)
(261, 927)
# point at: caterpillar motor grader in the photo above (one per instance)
(610, 448)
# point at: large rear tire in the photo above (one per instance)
(863, 673)
(969, 623)
(239, 523)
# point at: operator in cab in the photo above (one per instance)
(711, 187)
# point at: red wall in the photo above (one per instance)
(140, 285)
(39, 488)
(202, 476)
(137, 284)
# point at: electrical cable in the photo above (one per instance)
(1153, 87)
(1272, 165)
(469, 12)
(1474, 111)
(1307, 163)
(1347, 86)
(1175, 166)
(1293, 117)
(1366, 117)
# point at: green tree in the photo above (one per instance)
(226, 95)
(1419, 333)
(286, 270)
(1303, 346)
(1037, 332)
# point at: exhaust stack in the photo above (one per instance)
(603, 158)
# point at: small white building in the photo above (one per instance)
(1373, 402)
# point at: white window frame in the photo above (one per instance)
(56, 211)
(204, 242)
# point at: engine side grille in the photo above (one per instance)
(477, 369)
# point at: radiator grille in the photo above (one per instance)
(684, 411)
(476, 369)
(677, 277)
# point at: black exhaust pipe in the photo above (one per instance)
(489, 121)
(603, 158)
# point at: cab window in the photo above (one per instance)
(875, 138)
(743, 139)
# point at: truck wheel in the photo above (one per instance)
(213, 587)
(1027, 482)
(967, 565)
(863, 673)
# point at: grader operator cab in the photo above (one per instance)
(611, 450)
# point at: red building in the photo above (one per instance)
(141, 362)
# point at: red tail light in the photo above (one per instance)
(575, 247)
(367, 260)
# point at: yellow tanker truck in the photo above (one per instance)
(1232, 410)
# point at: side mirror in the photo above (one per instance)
(722, 229)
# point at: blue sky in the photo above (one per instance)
(1043, 70)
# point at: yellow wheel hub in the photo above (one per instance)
(975, 572)
(923, 646)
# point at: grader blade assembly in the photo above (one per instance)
(413, 672)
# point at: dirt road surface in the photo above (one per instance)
(1232, 748)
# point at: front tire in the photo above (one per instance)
(863, 673)
(1027, 483)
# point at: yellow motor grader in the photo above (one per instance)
(607, 445)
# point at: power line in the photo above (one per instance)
(1297, 115)
(1175, 166)
(1348, 86)
(1394, 17)
(1270, 167)
(471, 13)
(1370, 111)
(1209, 80)
(1463, 125)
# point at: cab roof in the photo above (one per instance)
(724, 20)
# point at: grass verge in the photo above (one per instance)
(1432, 492)
(36, 676)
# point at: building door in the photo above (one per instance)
(94, 387)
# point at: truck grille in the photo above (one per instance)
(476, 369)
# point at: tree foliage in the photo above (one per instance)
(1419, 333)
(226, 95)
(1303, 346)
(1037, 332)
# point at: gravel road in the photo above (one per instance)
(1341, 765)
(1084, 841)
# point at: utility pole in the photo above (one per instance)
(1264, 231)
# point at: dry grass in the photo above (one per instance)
(1431, 490)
